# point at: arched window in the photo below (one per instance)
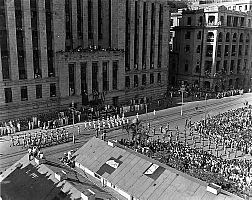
(247, 37)
(220, 36)
(241, 37)
(227, 37)
(210, 37)
(234, 37)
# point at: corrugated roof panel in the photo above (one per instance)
(133, 171)
(156, 184)
(192, 188)
(146, 184)
(200, 192)
(124, 169)
(138, 173)
(169, 194)
(95, 155)
(141, 181)
(128, 175)
(162, 187)
(208, 196)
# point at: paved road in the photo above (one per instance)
(9, 155)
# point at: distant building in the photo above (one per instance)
(32, 31)
(214, 47)
(237, 5)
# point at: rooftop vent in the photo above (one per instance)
(213, 188)
(111, 144)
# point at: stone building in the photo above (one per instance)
(33, 31)
(214, 47)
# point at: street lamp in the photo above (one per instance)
(182, 90)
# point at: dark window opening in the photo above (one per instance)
(8, 95)
(53, 90)
(115, 75)
(38, 91)
(24, 94)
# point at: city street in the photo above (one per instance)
(10, 154)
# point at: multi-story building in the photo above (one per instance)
(214, 47)
(237, 5)
(32, 31)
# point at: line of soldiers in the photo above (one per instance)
(41, 138)
(110, 122)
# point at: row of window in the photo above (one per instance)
(210, 37)
(144, 80)
(24, 92)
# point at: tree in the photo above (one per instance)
(137, 130)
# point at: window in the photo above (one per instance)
(234, 37)
(220, 37)
(242, 21)
(186, 66)
(151, 78)
(159, 78)
(53, 90)
(233, 50)
(189, 21)
(127, 82)
(198, 49)
(38, 91)
(209, 50)
(199, 35)
(187, 48)
(187, 35)
(71, 72)
(135, 81)
(249, 23)
(8, 95)
(219, 50)
(115, 74)
(229, 20)
(227, 37)
(144, 79)
(218, 66)
(246, 50)
(226, 52)
(197, 68)
(105, 81)
(240, 50)
(210, 37)
(171, 22)
(225, 66)
(24, 95)
(241, 37)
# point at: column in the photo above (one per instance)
(74, 23)
(11, 26)
(99, 76)
(95, 21)
(77, 78)
(110, 74)
(85, 23)
(132, 32)
(114, 23)
(42, 38)
(59, 33)
(165, 36)
(89, 76)
(121, 24)
(1, 72)
(140, 35)
(28, 39)
(148, 35)
(157, 7)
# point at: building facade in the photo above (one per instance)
(91, 76)
(33, 31)
(214, 47)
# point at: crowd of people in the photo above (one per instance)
(230, 130)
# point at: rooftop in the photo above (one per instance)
(141, 176)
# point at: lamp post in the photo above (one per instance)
(73, 109)
(182, 90)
